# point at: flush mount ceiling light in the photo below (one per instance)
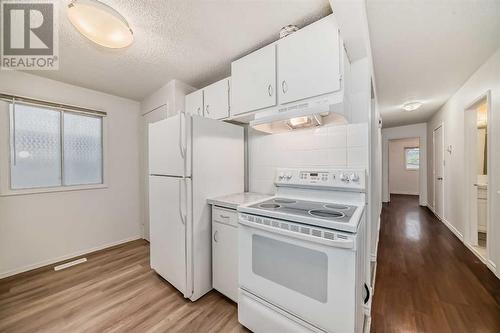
(412, 106)
(100, 23)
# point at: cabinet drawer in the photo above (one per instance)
(226, 216)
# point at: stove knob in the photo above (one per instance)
(288, 176)
(353, 177)
(281, 176)
(344, 177)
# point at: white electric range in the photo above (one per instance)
(302, 254)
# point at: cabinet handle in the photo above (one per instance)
(206, 110)
(284, 86)
(270, 90)
(199, 109)
(215, 236)
(367, 294)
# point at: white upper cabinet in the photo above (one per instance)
(309, 61)
(194, 103)
(216, 99)
(253, 80)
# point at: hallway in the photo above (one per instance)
(427, 280)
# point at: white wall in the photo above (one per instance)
(486, 78)
(401, 132)
(39, 229)
(343, 146)
(402, 180)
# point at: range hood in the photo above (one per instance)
(317, 111)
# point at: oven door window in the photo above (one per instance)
(295, 267)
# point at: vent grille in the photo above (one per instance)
(329, 235)
(316, 232)
(305, 230)
(290, 226)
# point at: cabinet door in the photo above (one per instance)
(309, 61)
(194, 103)
(225, 259)
(216, 97)
(253, 81)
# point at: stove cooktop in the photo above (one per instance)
(310, 209)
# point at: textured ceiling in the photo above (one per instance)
(194, 41)
(425, 50)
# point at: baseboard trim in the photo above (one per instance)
(65, 257)
(447, 224)
(405, 193)
(453, 229)
(485, 261)
(491, 266)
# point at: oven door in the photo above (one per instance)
(313, 279)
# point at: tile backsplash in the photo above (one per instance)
(340, 146)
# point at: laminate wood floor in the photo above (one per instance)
(427, 280)
(114, 291)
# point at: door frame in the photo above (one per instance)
(441, 125)
(470, 174)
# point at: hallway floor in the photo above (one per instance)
(427, 280)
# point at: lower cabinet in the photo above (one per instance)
(225, 252)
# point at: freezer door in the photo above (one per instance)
(169, 146)
(167, 216)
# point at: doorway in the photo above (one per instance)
(438, 171)
(477, 148)
(404, 166)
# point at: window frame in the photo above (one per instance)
(6, 155)
(406, 158)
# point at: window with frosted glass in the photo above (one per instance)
(53, 148)
(82, 149)
(35, 147)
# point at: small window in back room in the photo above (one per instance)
(54, 148)
(412, 158)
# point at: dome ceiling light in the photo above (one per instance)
(412, 106)
(100, 23)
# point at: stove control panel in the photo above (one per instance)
(353, 179)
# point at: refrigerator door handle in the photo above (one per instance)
(182, 148)
(181, 214)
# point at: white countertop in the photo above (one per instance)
(232, 201)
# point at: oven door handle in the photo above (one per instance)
(340, 243)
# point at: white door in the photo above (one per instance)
(216, 97)
(194, 103)
(253, 81)
(169, 148)
(309, 61)
(225, 259)
(168, 229)
(438, 171)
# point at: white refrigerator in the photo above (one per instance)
(191, 158)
